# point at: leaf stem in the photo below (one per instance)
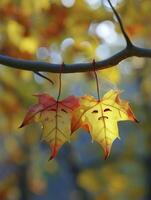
(96, 79)
(53, 153)
(60, 83)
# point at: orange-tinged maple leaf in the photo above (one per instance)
(100, 117)
(55, 117)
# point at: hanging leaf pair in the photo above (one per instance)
(60, 119)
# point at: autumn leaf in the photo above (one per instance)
(55, 117)
(100, 117)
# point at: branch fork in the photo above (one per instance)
(37, 66)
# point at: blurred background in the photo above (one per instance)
(74, 31)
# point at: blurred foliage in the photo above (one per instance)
(73, 31)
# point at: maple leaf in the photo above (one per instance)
(100, 117)
(55, 117)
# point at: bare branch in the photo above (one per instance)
(38, 66)
(74, 68)
(128, 41)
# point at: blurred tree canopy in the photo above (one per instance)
(73, 31)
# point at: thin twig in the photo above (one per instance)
(128, 41)
(41, 75)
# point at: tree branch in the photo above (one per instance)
(74, 68)
(38, 66)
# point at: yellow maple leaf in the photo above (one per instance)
(100, 117)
